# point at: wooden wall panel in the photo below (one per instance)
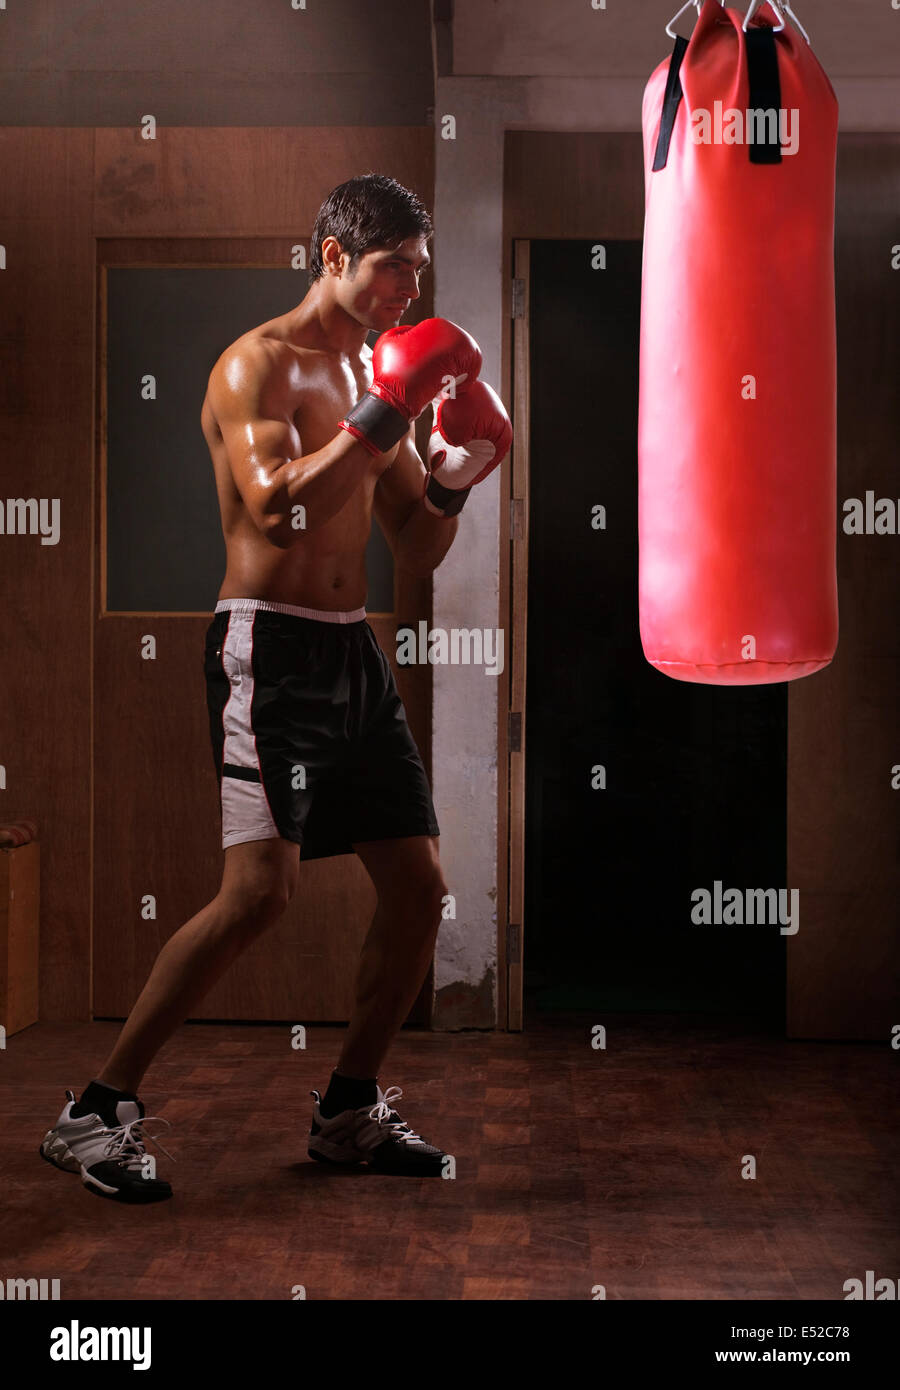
(225, 181)
(843, 816)
(153, 768)
(57, 198)
(20, 937)
(560, 184)
(46, 421)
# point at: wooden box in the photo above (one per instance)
(19, 936)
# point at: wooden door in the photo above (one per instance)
(156, 830)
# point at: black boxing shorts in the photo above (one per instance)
(309, 735)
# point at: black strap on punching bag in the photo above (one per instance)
(671, 102)
(765, 92)
(765, 95)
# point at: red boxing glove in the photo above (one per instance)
(411, 364)
(471, 435)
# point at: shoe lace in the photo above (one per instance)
(383, 1111)
(126, 1142)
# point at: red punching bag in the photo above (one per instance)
(737, 430)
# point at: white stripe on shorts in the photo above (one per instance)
(246, 814)
(245, 806)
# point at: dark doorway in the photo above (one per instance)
(695, 775)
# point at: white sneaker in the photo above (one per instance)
(107, 1150)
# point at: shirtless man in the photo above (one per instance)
(304, 452)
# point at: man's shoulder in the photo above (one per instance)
(257, 362)
(255, 348)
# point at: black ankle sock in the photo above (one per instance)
(348, 1093)
(97, 1098)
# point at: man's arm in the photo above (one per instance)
(418, 539)
(270, 471)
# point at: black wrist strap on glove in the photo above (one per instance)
(375, 422)
(448, 500)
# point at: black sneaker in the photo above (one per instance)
(373, 1134)
(107, 1150)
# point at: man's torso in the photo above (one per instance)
(326, 568)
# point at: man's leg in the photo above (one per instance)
(355, 1121)
(258, 882)
(398, 948)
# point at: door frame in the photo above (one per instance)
(511, 722)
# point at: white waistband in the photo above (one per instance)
(247, 605)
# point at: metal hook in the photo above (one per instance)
(670, 30)
(786, 6)
(781, 7)
(754, 6)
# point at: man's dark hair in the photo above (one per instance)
(369, 211)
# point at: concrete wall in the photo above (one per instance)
(215, 62)
(626, 39)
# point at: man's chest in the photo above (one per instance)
(324, 396)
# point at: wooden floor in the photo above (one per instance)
(574, 1168)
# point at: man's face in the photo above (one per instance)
(385, 283)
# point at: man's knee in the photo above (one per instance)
(249, 907)
(257, 888)
(266, 898)
(419, 894)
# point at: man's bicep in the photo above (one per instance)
(257, 439)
